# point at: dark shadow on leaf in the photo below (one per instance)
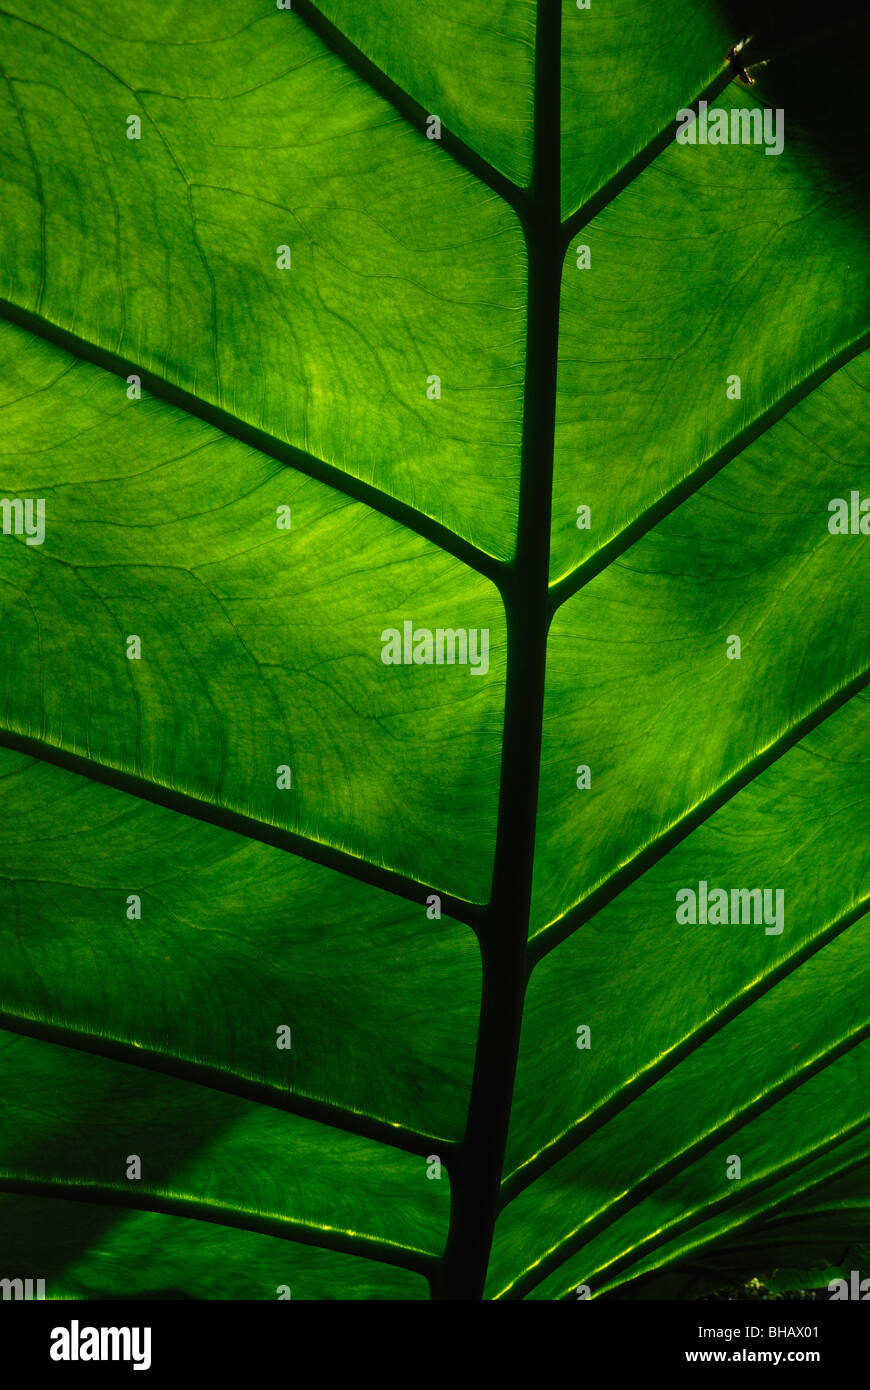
(165, 1121)
(814, 58)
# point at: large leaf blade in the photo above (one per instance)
(709, 517)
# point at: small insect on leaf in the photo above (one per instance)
(733, 57)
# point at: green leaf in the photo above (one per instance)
(625, 71)
(351, 977)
